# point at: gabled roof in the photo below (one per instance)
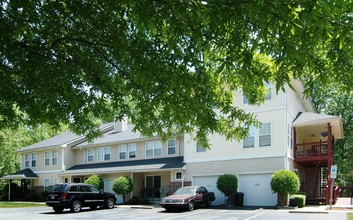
(113, 137)
(128, 166)
(61, 139)
(306, 119)
(22, 174)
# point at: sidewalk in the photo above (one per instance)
(342, 204)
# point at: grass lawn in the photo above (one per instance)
(20, 204)
(350, 216)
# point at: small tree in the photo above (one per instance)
(227, 184)
(122, 186)
(284, 182)
(96, 181)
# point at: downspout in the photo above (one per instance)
(9, 197)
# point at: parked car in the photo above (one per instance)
(187, 198)
(77, 195)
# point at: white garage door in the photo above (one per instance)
(108, 187)
(257, 190)
(210, 182)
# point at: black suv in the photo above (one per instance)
(78, 195)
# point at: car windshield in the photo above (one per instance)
(185, 191)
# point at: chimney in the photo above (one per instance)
(120, 125)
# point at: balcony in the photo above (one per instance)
(314, 151)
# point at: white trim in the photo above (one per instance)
(48, 171)
(267, 109)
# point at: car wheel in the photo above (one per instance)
(109, 203)
(58, 209)
(209, 203)
(191, 206)
(76, 206)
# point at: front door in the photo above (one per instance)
(153, 183)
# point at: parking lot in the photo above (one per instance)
(156, 213)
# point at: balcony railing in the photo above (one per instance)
(311, 149)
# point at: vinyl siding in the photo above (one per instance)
(40, 166)
(245, 166)
(222, 149)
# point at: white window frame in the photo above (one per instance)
(47, 158)
(54, 157)
(200, 148)
(171, 147)
(90, 154)
(34, 160)
(105, 152)
(251, 135)
(27, 161)
(154, 147)
(132, 150)
(122, 151)
(56, 180)
(177, 174)
(265, 131)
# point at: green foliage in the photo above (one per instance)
(285, 181)
(227, 184)
(122, 186)
(297, 200)
(96, 181)
(170, 62)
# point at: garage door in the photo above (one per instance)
(257, 190)
(108, 187)
(210, 182)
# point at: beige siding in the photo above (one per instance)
(40, 165)
(222, 149)
(261, 165)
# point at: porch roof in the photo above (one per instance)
(22, 174)
(307, 119)
(127, 166)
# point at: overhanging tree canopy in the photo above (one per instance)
(166, 64)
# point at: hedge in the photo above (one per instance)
(297, 200)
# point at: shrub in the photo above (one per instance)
(122, 186)
(96, 181)
(227, 184)
(137, 201)
(284, 182)
(297, 200)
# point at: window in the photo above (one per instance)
(46, 158)
(178, 175)
(132, 150)
(56, 180)
(122, 151)
(46, 184)
(269, 91)
(250, 140)
(245, 100)
(153, 148)
(73, 188)
(265, 135)
(103, 153)
(200, 148)
(54, 157)
(90, 155)
(34, 159)
(26, 160)
(171, 146)
(77, 180)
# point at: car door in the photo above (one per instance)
(87, 198)
(96, 195)
(198, 196)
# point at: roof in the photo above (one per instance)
(306, 119)
(113, 137)
(128, 166)
(22, 174)
(59, 140)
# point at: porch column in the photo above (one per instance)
(329, 163)
(295, 142)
